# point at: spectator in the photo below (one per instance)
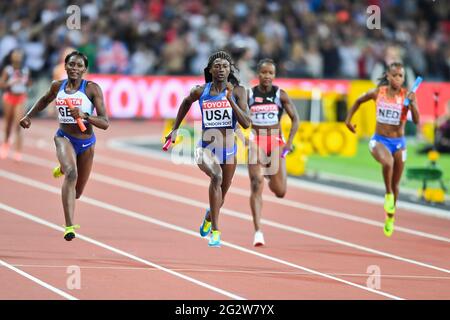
(288, 32)
(392, 54)
(442, 139)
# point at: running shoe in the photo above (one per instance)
(214, 241)
(389, 203)
(57, 172)
(69, 232)
(17, 156)
(205, 228)
(388, 226)
(258, 239)
(4, 150)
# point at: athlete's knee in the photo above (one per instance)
(280, 193)
(278, 189)
(71, 174)
(256, 182)
(387, 163)
(216, 179)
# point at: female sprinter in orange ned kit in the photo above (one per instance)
(74, 148)
(388, 144)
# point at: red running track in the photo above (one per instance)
(139, 239)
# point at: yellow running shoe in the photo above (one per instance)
(205, 228)
(57, 172)
(389, 203)
(214, 240)
(69, 232)
(388, 226)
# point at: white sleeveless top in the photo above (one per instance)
(79, 99)
(20, 77)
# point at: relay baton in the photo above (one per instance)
(414, 89)
(284, 154)
(167, 144)
(79, 121)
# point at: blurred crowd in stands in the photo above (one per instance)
(306, 38)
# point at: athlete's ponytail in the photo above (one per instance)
(383, 81)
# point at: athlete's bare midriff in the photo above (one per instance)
(73, 130)
(228, 139)
(390, 131)
(267, 130)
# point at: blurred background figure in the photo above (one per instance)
(14, 80)
(59, 73)
(392, 54)
(306, 38)
(243, 58)
(442, 139)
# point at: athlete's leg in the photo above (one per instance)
(208, 163)
(256, 183)
(385, 158)
(399, 164)
(228, 170)
(397, 174)
(381, 153)
(67, 159)
(278, 181)
(84, 166)
(18, 114)
(8, 113)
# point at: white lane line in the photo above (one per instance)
(246, 271)
(121, 145)
(38, 281)
(172, 197)
(165, 174)
(46, 223)
(136, 215)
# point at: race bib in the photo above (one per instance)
(64, 114)
(389, 113)
(264, 114)
(217, 114)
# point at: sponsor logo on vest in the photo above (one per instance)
(216, 104)
(75, 101)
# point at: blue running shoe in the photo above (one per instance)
(214, 241)
(205, 228)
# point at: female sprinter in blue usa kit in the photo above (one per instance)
(223, 103)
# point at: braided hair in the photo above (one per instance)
(383, 81)
(233, 77)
